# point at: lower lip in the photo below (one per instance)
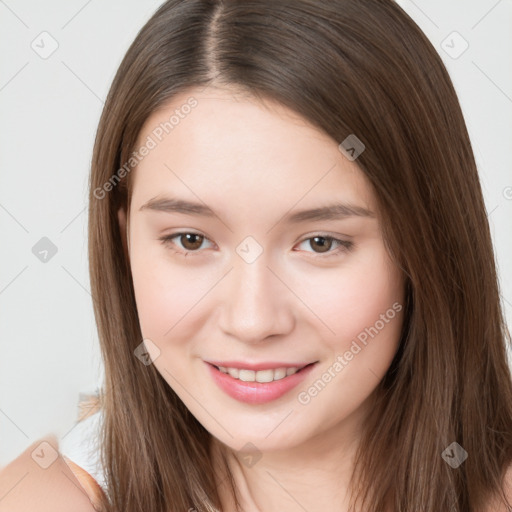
(257, 392)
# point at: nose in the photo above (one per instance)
(257, 303)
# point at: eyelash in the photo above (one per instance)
(345, 245)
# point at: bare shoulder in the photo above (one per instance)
(40, 479)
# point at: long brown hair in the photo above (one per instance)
(348, 67)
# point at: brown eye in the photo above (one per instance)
(191, 241)
(326, 246)
(186, 242)
(322, 243)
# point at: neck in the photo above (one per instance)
(314, 475)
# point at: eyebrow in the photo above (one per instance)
(329, 212)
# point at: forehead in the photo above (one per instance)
(221, 145)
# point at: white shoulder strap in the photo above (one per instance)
(81, 445)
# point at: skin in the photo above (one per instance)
(26, 486)
(253, 163)
(89, 485)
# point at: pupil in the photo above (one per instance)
(194, 245)
(323, 246)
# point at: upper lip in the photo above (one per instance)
(267, 365)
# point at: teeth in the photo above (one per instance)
(233, 372)
(259, 376)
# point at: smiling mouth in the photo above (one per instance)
(261, 376)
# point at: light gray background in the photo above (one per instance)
(50, 108)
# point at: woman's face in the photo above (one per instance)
(245, 280)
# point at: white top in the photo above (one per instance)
(81, 445)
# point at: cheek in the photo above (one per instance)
(351, 299)
(365, 309)
(164, 291)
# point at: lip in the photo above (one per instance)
(257, 392)
(269, 365)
